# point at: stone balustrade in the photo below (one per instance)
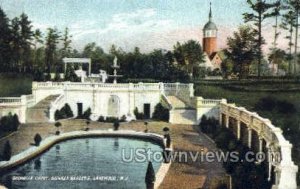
(10, 101)
(285, 169)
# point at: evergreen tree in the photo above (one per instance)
(26, 35)
(5, 36)
(150, 176)
(242, 49)
(7, 152)
(260, 11)
(52, 39)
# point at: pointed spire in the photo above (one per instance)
(210, 12)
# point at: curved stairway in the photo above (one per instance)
(40, 112)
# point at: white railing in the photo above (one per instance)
(272, 135)
(10, 101)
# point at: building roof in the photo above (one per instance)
(210, 25)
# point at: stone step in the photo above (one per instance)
(183, 116)
(40, 112)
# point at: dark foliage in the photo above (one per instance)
(138, 115)
(37, 139)
(7, 151)
(65, 112)
(161, 113)
(9, 123)
(116, 125)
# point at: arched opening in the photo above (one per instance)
(113, 109)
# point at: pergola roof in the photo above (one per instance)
(77, 60)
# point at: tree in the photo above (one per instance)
(227, 67)
(52, 39)
(278, 57)
(150, 176)
(26, 35)
(288, 21)
(37, 139)
(66, 39)
(294, 7)
(242, 49)
(260, 11)
(7, 151)
(57, 125)
(87, 125)
(5, 38)
(37, 36)
(189, 55)
(116, 125)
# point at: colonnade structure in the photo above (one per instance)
(262, 136)
(107, 99)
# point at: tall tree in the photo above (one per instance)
(66, 40)
(189, 55)
(15, 44)
(294, 6)
(52, 39)
(242, 49)
(5, 35)
(288, 20)
(37, 35)
(260, 11)
(26, 35)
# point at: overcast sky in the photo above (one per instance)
(147, 24)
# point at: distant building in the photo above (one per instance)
(213, 57)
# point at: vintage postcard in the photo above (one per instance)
(149, 94)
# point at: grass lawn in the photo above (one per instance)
(14, 86)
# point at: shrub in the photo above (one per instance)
(168, 140)
(137, 114)
(87, 113)
(37, 139)
(111, 119)
(208, 125)
(68, 111)
(87, 125)
(116, 125)
(57, 125)
(150, 174)
(101, 119)
(123, 118)
(9, 123)
(266, 104)
(7, 151)
(285, 107)
(161, 113)
(57, 115)
(64, 112)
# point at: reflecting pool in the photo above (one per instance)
(87, 163)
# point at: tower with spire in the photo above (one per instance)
(210, 31)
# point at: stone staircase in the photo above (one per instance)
(40, 112)
(180, 112)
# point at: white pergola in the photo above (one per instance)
(77, 61)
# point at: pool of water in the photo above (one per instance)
(87, 163)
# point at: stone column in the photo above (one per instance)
(220, 118)
(191, 86)
(260, 144)
(288, 170)
(238, 129)
(227, 121)
(249, 137)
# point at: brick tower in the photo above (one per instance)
(210, 31)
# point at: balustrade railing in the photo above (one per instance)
(272, 135)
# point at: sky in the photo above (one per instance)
(148, 24)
